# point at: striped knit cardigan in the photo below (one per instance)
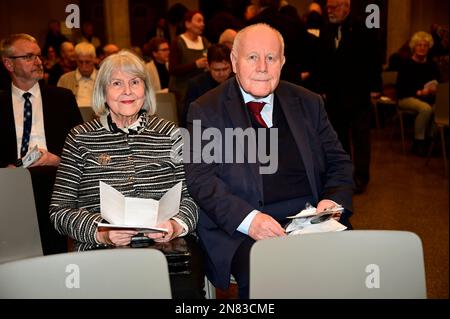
(138, 165)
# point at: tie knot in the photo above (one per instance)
(26, 95)
(255, 107)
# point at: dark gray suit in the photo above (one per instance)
(226, 193)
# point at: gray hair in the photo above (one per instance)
(6, 46)
(420, 36)
(239, 35)
(85, 48)
(126, 62)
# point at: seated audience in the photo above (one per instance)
(416, 88)
(158, 67)
(67, 63)
(81, 81)
(34, 114)
(105, 51)
(227, 37)
(219, 70)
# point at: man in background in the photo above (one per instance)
(219, 70)
(81, 81)
(33, 114)
(350, 72)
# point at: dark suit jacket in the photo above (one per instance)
(349, 73)
(197, 86)
(226, 193)
(60, 111)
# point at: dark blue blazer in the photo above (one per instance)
(226, 193)
(61, 114)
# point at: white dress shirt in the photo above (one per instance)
(37, 135)
(85, 88)
(267, 115)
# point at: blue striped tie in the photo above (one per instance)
(27, 117)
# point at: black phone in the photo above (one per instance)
(140, 240)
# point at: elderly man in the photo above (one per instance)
(33, 114)
(350, 69)
(239, 204)
(81, 81)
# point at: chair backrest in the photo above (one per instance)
(101, 274)
(166, 106)
(87, 113)
(348, 264)
(441, 106)
(19, 228)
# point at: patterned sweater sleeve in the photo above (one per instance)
(67, 218)
(188, 208)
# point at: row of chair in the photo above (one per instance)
(351, 264)
(347, 265)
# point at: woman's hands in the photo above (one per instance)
(123, 237)
(115, 237)
(173, 230)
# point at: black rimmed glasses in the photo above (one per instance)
(27, 57)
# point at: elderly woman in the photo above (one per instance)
(126, 148)
(416, 87)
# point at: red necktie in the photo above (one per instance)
(255, 108)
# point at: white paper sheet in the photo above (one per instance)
(142, 213)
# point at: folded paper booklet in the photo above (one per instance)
(308, 221)
(141, 214)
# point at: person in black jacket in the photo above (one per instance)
(219, 69)
(350, 73)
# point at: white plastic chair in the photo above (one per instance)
(349, 264)
(19, 228)
(106, 274)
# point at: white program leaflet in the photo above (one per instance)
(140, 213)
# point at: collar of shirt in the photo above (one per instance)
(18, 93)
(267, 111)
(92, 77)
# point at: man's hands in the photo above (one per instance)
(326, 203)
(264, 226)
